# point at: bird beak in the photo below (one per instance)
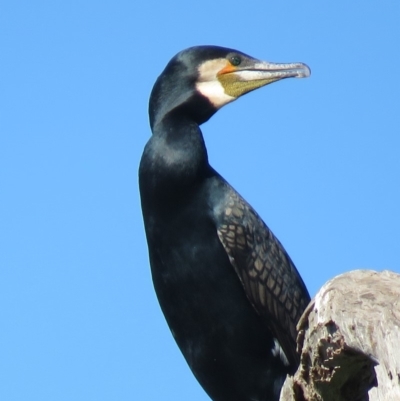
(254, 74)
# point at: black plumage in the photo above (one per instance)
(229, 292)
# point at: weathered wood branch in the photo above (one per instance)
(349, 337)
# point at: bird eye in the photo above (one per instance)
(235, 60)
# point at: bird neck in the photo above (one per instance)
(175, 158)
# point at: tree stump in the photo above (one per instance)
(349, 338)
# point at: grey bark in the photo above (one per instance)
(349, 338)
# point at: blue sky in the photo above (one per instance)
(318, 158)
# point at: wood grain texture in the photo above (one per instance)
(350, 341)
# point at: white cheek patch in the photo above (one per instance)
(209, 85)
(214, 92)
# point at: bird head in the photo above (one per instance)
(200, 80)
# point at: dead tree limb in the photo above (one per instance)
(349, 337)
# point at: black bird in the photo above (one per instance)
(229, 291)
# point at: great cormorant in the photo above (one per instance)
(229, 291)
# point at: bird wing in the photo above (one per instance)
(269, 277)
